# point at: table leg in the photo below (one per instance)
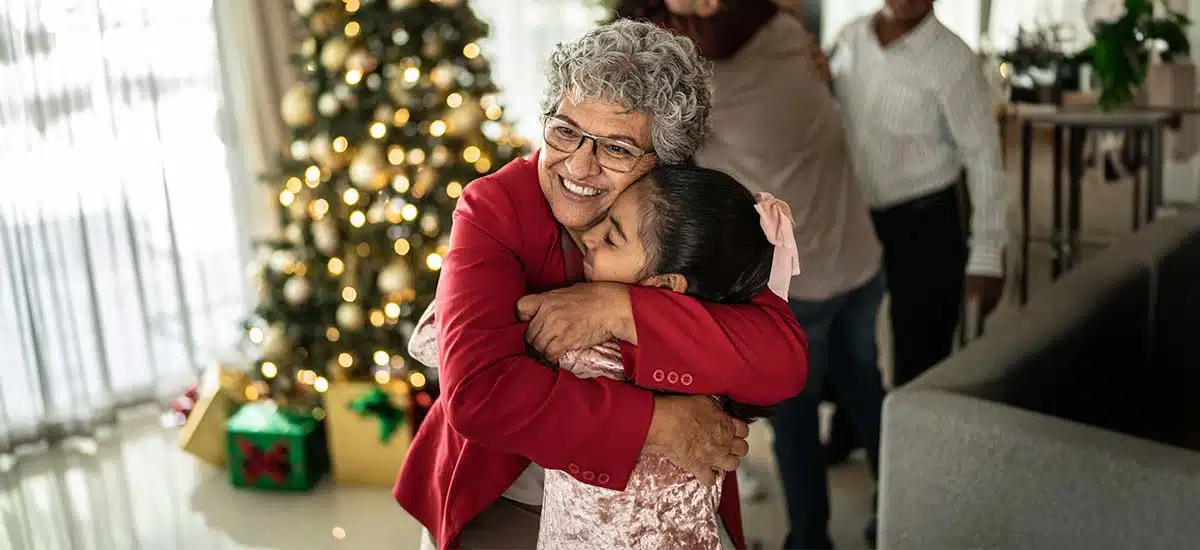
(1026, 169)
(1074, 210)
(1156, 173)
(1056, 240)
(1137, 182)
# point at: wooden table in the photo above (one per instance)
(1065, 238)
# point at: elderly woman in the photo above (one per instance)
(622, 98)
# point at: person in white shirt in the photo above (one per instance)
(917, 113)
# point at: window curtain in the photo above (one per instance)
(119, 260)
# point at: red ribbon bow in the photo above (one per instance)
(273, 463)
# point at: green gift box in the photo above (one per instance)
(275, 448)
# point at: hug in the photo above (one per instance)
(623, 100)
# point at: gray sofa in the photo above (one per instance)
(1075, 425)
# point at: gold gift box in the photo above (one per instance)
(358, 456)
(222, 388)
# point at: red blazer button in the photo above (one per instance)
(685, 379)
(589, 475)
(573, 468)
(658, 375)
(603, 478)
(673, 378)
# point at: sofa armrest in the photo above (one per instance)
(961, 472)
(1074, 352)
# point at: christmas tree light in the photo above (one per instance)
(394, 113)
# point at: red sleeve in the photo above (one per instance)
(754, 353)
(497, 396)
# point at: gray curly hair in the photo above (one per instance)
(643, 68)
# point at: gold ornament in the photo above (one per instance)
(325, 237)
(298, 210)
(294, 234)
(465, 118)
(361, 61)
(334, 53)
(366, 166)
(297, 290)
(304, 7)
(429, 224)
(399, 91)
(350, 316)
(275, 342)
(328, 104)
(397, 5)
(308, 48)
(282, 261)
(442, 76)
(440, 156)
(432, 47)
(322, 22)
(296, 107)
(384, 113)
(394, 278)
(423, 183)
(321, 150)
(377, 213)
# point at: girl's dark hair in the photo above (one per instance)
(702, 224)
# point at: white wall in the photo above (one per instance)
(1182, 180)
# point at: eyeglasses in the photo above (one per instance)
(613, 154)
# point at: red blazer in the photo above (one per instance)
(499, 408)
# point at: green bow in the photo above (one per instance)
(378, 403)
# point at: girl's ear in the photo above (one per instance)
(671, 281)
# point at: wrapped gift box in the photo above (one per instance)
(221, 391)
(368, 429)
(277, 448)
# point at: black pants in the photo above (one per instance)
(925, 258)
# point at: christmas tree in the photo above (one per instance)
(393, 114)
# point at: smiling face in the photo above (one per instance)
(579, 190)
(614, 245)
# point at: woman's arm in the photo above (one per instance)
(754, 353)
(502, 399)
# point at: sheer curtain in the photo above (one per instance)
(119, 267)
(519, 42)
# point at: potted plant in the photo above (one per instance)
(1128, 33)
(1037, 68)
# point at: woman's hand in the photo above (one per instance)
(819, 60)
(577, 317)
(695, 434)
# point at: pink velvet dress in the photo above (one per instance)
(662, 507)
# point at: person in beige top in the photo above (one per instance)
(776, 128)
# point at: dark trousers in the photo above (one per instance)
(925, 258)
(841, 348)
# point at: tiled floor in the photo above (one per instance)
(137, 491)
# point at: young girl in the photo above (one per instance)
(694, 231)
